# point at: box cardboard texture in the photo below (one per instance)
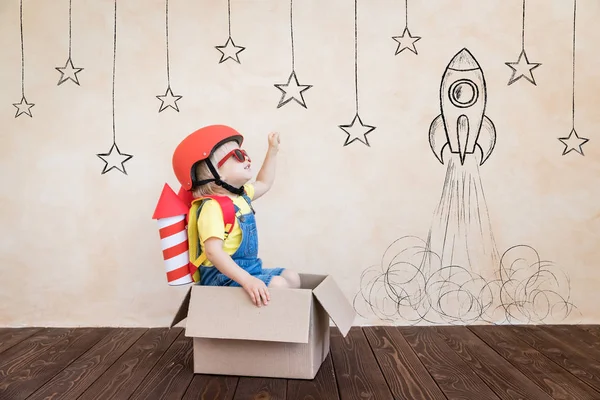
(289, 338)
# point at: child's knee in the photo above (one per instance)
(278, 282)
(292, 278)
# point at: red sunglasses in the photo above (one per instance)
(239, 154)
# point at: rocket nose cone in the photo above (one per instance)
(463, 60)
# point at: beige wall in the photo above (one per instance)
(80, 248)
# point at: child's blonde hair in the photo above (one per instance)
(202, 172)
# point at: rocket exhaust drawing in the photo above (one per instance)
(462, 125)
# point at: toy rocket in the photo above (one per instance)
(462, 124)
(171, 212)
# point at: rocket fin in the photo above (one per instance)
(462, 130)
(438, 139)
(487, 139)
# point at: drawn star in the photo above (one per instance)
(114, 159)
(292, 91)
(406, 41)
(357, 131)
(23, 107)
(168, 100)
(522, 68)
(68, 72)
(573, 142)
(230, 50)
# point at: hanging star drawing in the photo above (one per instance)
(114, 159)
(573, 142)
(68, 72)
(522, 68)
(292, 90)
(357, 130)
(168, 100)
(230, 51)
(406, 42)
(23, 107)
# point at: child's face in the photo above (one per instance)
(234, 164)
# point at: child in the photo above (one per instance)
(210, 162)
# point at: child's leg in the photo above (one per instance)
(287, 279)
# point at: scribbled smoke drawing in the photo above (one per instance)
(23, 107)
(114, 159)
(229, 51)
(456, 275)
(522, 68)
(406, 41)
(292, 90)
(462, 125)
(356, 130)
(573, 142)
(69, 71)
(168, 99)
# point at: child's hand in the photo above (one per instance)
(257, 290)
(274, 140)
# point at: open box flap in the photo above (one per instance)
(182, 312)
(335, 303)
(222, 312)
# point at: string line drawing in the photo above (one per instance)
(456, 275)
(229, 51)
(406, 41)
(573, 142)
(522, 68)
(114, 159)
(292, 89)
(69, 71)
(23, 107)
(356, 130)
(168, 100)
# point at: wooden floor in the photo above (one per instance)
(476, 362)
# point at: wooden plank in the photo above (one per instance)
(323, 386)
(406, 376)
(171, 375)
(261, 389)
(125, 375)
(547, 375)
(591, 329)
(21, 382)
(453, 376)
(495, 371)
(563, 351)
(356, 368)
(11, 336)
(79, 375)
(211, 387)
(584, 339)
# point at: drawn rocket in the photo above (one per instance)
(462, 124)
(171, 212)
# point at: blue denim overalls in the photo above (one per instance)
(246, 256)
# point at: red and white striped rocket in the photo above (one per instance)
(171, 212)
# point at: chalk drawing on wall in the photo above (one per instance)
(23, 107)
(292, 90)
(456, 275)
(229, 51)
(356, 130)
(114, 159)
(406, 41)
(168, 99)
(522, 68)
(462, 125)
(573, 142)
(69, 71)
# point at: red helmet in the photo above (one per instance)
(198, 146)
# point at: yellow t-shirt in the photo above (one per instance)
(210, 223)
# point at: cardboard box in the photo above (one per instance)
(289, 338)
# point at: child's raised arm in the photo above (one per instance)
(266, 175)
(223, 262)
